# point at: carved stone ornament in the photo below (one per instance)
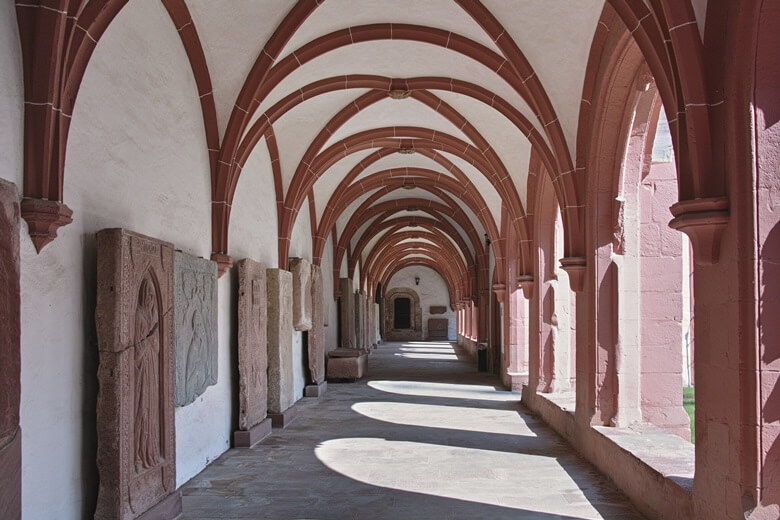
(399, 93)
(195, 311)
(44, 218)
(224, 262)
(136, 455)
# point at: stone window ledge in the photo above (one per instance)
(663, 453)
(668, 455)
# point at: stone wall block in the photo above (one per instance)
(316, 344)
(134, 317)
(195, 311)
(10, 360)
(280, 340)
(301, 290)
(252, 344)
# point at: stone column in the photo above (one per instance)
(348, 339)
(10, 361)
(281, 390)
(136, 452)
(253, 425)
(316, 343)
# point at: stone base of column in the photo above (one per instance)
(248, 438)
(283, 419)
(166, 509)
(315, 390)
(517, 380)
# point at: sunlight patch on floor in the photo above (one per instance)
(410, 355)
(455, 391)
(483, 420)
(531, 483)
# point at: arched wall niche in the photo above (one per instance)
(391, 333)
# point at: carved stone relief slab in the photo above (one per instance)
(317, 333)
(195, 311)
(301, 286)
(10, 334)
(281, 388)
(136, 455)
(252, 344)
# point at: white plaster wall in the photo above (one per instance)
(136, 159)
(432, 291)
(253, 223)
(203, 428)
(11, 97)
(300, 241)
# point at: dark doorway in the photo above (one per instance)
(402, 314)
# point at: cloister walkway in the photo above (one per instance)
(424, 437)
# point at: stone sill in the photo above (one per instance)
(566, 401)
(671, 457)
(665, 454)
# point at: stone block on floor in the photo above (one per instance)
(283, 419)
(315, 390)
(346, 364)
(250, 437)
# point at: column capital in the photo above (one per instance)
(44, 218)
(526, 283)
(703, 220)
(575, 267)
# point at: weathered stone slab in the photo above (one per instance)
(301, 291)
(438, 329)
(438, 309)
(359, 322)
(136, 455)
(252, 344)
(195, 311)
(11, 477)
(10, 360)
(316, 337)
(281, 388)
(348, 339)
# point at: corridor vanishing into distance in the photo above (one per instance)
(424, 436)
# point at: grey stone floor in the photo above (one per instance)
(422, 437)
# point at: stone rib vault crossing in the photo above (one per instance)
(423, 437)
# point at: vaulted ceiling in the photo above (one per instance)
(406, 127)
(394, 127)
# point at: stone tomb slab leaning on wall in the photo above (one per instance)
(10, 360)
(195, 311)
(136, 455)
(253, 425)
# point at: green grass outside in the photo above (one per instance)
(689, 403)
